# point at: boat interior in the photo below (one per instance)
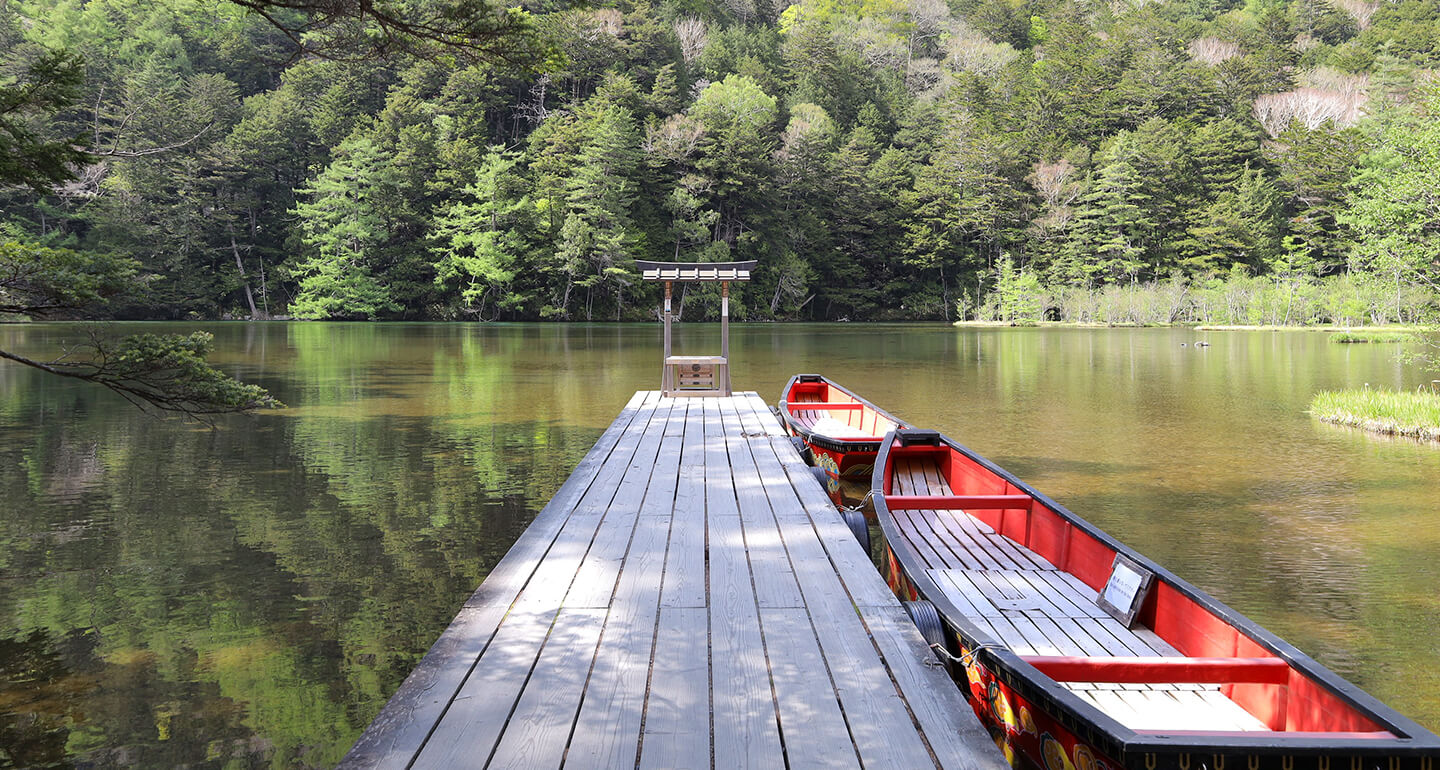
(819, 407)
(1030, 578)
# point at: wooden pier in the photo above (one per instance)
(688, 599)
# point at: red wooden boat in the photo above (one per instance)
(841, 430)
(1080, 654)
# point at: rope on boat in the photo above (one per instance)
(968, 659)
(860, 506)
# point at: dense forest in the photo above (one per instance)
(1258, 161)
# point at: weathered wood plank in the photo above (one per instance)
(872, 704)
(794, 481)
(775, 584)
(719, 482)
(745, 729)
(607, 732)
(684, 582)
(761, 419)
(665, 478)
(540, 726)
(933, 699)
(677, 710)
(1083, 596)
(745, 726)
(473, 723)
(600, 568)
(602, 489)
(810, 716)
(911, 526)
(401, 728)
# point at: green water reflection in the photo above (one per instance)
(250, 596)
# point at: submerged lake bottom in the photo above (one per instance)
(252, 595)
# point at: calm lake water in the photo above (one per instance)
(251, 595)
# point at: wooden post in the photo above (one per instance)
(668, 287)
(665, 384)
(725, 335)
(703, 375)
(725, 319)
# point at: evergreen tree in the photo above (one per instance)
(963, 203)
(737, 152)
(1240, 227)
(598, 240)
(1113, 222)
(479, 238)
(1393, 210)
(346, 223)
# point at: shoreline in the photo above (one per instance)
(1415, 328)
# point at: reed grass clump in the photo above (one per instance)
(1413, 413)
(1354, 336)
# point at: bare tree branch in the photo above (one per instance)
(113, 152)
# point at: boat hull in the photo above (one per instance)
(842, 459)
(1034, 731)
(840, 463)
(1314, 718)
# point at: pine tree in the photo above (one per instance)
(963, 204)
(346, 225)
(598, 240)
(479, 239)
(1113, 220)
(1240, 227)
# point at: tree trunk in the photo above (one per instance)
(240, 265)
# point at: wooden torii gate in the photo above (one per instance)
(697, 375)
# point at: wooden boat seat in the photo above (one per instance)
(829, 426)
(1152, 670)
(1023, 601)
(1049, 614)
(835, 418)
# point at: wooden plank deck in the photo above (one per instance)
(688, 599)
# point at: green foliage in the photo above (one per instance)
(877, 157)
(1237, 299)
(1018, 294)
(163, 371)
(1366, 337)
(477, 237)
(347, 222)
(1394, 211)
(48, 83)
(40, 280)
(349, 29)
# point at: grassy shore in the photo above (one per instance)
(1362, 336)
(1398, 413)
(1396, 333)
(1320, 328)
